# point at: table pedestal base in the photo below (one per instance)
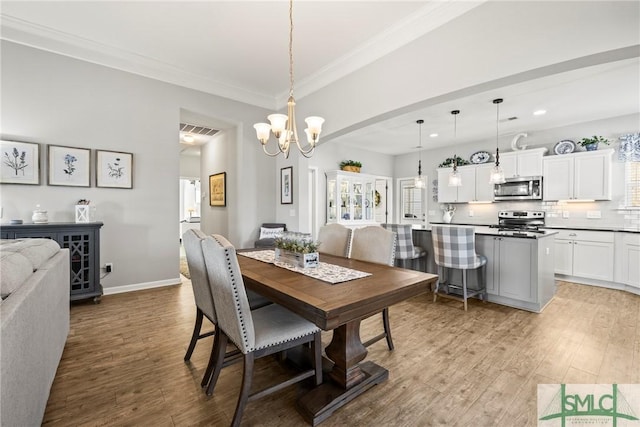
(319, 403)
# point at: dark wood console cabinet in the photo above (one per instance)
(83, 242)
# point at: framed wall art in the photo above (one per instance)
(20, 163)
(69, 166)
(114, 169)
(286, 185)
(218, 189)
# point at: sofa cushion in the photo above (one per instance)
(14, 270)
(37, 251)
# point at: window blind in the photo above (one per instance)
(632, 182)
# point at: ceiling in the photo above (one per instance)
(238, 49)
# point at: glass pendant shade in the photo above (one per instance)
(455, 180)
(418, 182)
(497, 174)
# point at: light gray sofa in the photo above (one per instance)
(34, 324)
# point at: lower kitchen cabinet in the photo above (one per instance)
(586, 254)
(519, 270)
(627, 246)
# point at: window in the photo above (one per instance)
(632, 182)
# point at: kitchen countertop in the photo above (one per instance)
(488, 231)
(550, 227)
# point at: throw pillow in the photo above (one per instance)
(270, 233)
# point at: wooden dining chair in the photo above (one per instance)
(334, 239)
(375, 244)
(455, 248)
(256, 333)
(191, 240)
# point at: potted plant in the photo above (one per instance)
(591, 144)
(297, 249)
(449, 162)
(350, 166)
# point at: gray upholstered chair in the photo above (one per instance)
(257, 333)
(191, 240)
(267, 234)
(335, 239)
(455, 248)
(375, 244)
(405, 250)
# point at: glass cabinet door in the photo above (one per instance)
(357, 200)
(331, 197)
(369, 201)
(345, 201)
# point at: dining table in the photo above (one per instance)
(339, 307)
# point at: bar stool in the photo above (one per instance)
(455, 248)
(405, 250)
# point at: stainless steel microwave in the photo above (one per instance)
(520, 188)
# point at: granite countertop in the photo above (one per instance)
(485, 230)
(552, 227)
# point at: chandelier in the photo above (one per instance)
(497, 174)
(419, 180)
(455, 180)
(284, 126)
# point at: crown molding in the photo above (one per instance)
(44, 38)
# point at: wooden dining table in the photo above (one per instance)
(339, 307)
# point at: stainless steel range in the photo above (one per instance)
(520, 222)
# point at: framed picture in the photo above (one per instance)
(114, 169)
(69, 166)
(286, 185)
(20, 163)
(218, 189)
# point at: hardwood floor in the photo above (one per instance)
(123, 362)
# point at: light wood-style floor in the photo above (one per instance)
(122, 364)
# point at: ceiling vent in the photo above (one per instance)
(197, 130)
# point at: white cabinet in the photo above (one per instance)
(522, 163)
(350, 198)
(475, 185)
(628, 259)
(584, 253)
(580, 176)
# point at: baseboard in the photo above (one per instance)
(141, 286)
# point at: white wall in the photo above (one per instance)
(189, 166)
(484, 214)
(51, 99)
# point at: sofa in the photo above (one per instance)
(34, 324)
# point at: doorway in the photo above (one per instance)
(413, 202)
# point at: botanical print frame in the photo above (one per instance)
(218, 189)
(69, 166)
(286, 185)
(114, 169)
(20, 163)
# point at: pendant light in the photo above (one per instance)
(419, 180)
(497, 174)
(283, 126)
(455, 180)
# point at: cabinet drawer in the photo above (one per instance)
(586, 235)
(631, 239)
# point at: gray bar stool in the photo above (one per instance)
(405, 250)
(455, 248)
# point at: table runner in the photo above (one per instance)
(329, 273)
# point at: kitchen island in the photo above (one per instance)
(520, 266)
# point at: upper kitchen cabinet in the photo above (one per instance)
(350, 198)
(475, 185)
(579, 176)
(522, 163)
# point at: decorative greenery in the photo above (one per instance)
(449, 162)
(297, 242)
(350, 163)
(594, 140)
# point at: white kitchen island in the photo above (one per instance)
(520, 268)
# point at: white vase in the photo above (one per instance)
(447, 216)
(39, 217)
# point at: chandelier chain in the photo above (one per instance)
(290, 47)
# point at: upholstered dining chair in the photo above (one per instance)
(335, 239)
(191, 240)
(405, 249)
(256, 333)
(375, 244)
(455, 248)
